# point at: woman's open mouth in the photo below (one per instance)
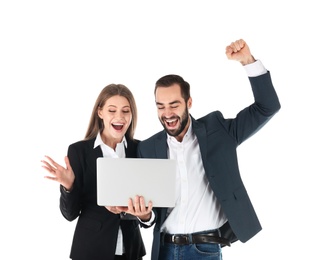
(117, 126)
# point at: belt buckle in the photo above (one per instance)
(180, 239)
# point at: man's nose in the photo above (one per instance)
(168, 112)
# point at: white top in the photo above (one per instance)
(119, 153)
(196, 208)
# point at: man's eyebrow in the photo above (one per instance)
(171, 103)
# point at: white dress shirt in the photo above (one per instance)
(197, 208)
(118, 153)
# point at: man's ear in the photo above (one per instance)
(189, 103)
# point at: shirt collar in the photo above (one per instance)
(186, 137)
(98, 141)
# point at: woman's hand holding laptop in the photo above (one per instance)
(135, 207)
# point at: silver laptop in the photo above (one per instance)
(119, 179)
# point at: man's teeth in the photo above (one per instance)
(170, 120)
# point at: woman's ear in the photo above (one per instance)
(100, 111)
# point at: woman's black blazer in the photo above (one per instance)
(97, 229)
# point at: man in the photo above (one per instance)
(213, 208)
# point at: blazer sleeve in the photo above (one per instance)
(70, 202)
(251, 119)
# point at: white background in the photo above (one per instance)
(56, 56)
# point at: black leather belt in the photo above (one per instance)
(205, 238)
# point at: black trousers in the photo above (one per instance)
(123, 257)
(120, 257)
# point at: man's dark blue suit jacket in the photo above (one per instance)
(218, 139)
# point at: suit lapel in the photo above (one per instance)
(200, 133)
(203, 141)
(92, 156)
(131, 150)
(161, 147)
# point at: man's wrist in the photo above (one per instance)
(250, 60)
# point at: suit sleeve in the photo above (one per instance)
(70, 202)
(251, 119)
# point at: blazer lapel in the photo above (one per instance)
(131, 150)
(93, 155)
(161, 147)
(200, 133)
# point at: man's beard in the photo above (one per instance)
(183, 123)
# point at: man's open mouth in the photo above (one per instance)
(171, 122)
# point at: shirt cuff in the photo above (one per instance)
(149, 222)
(255, 69)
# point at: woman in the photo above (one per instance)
(100, 232)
